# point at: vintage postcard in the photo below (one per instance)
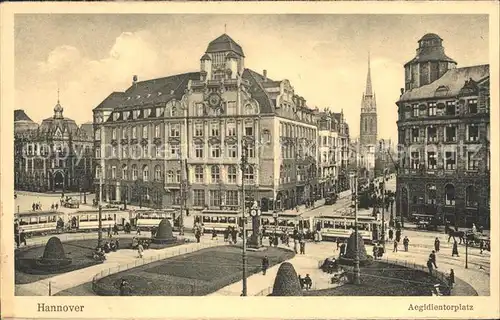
(249, 160)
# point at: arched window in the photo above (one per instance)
(471, 197)
(249, 174)
(134, 172)
(145, 173)
(170, 176)
(249, 109)
(198, 174)
(124, 172)
(431, 194)
(124, 133)
(145, 131)
(157, 173)
(98, 172)
(215, 173)
(449, 195)
(98, 134)
(173, 111)
(232, 173)
(134, 132)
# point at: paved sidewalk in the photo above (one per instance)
(121, 258)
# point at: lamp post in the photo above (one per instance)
(466, 253)
(103, 155)
(356, 249)
(383, 209)
(244, 164)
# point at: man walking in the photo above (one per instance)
(302, 246)
(391, 234)
(265, 265)
(398, 235)
(406, 241)
(454, 251)
(436, 244)
(395, 246)
(432, 258)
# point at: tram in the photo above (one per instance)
(282, 222)
(335, 226)
(220, 219)
(88, 220)
(150, 219)
(37, 222)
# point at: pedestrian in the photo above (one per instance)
(36, 206)
(481, 246)
(138, 231)
(436, 244)
(140, 249)
(296, 245)
(22, 237)
(338, 243)
(57, 205)
(432, 257)
(451, 279)
(275, 240)
(115, 230)
(406, 241)
(52, 207)
(109, 232)
(302, 246)
(271, 240)
(198, 235)
(214, 234)
(265, 265)
(375, 251)
(124, 288)
(117, 244)
(308, 282)
(395, 246)
(455, 249)
(342, 249)
(429, 265)
(226, 235)
(391, 234)
(398, 235)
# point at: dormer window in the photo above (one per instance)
(136, 113)
(116, 115)
(472, 104)
(147, 112)
(159, 111)
(126, 114)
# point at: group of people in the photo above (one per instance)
(230, 235)
(306, 282)
(54, 206)
(108, 246)
(299, 242)
(140, 245)
(36, 206)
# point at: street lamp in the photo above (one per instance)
(356, 249)
(244, 165)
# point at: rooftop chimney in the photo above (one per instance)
(134, 79)
(402, 91)
(265, 75)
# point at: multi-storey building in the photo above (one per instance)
(368, 126)
(444, 132)
(164, 135)
(54, 156)
(343, 180)
(329, 151)
(384, 157)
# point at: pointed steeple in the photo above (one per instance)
(368, 90)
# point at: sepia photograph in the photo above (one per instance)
(240, 155)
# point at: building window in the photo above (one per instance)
(198, 129)
(98, 134)
(113, 172)
(134, 132)
(198, 174)
(113, 134)
(472, 104)
(415, 110)
(159, 111)
(214, 129)
(124, 172)
(124, 133)
(114, 151)
(431, 160)
(231, 107)
(178, 176)
(146, 112)
(170, 176)
(471, 197)
(250, 151)
(450, 134)
(98, 152)
(472, 133)
(145, 173)
(232, 151)
(215, 151)
(215, 198)
(415, 134)
(231, 129)
(199, 198)
(176, 197)
(145, 152)
(215, 173)
(200, 110)
(157, 131)
(472, 161)
(432, 109)
(98, 172)
(432, 134)
(174, 150)
(232, 198)
(431, 194)
(134, 172)
(175, 130)
(450, 108)
(198, 150)
(450, 160)
(249, 129)
(232, 174)
(449, 195)
(249, 175)
(415, 160)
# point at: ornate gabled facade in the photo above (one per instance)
(54, 156)
(188, 131)
(368, 126)
(444, 132)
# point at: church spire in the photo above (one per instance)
(368, 91)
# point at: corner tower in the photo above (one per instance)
(223, 59)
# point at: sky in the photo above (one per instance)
(325, 57)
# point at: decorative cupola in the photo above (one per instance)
(232, 64)
(205, 67)
(58, 109)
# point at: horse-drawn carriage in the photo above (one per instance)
(71, 203)
(474, 239)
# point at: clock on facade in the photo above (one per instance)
(214, 100)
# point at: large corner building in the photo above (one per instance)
(444, 138)
(186, 132)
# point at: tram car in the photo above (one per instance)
(284, 222)
(150, 219)
(37, 222)
(220, 220)
(335, 226)
(88, 220)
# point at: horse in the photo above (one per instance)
(454, 234)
